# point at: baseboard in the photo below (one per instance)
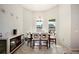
(75, 50)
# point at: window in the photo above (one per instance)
(52, 25)
(39, 24)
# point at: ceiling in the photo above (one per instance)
(38, 7)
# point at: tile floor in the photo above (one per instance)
(55, 49)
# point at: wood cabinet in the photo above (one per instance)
(15, 42)
(3, 46)
(11, 44)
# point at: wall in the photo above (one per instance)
(46, 15)
(62, 14)
(0, 24)
(11, 19)
(37, 15)
(64, 34)
(75, 27)
(27, 21)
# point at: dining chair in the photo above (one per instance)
(52, 38)
(45, 39)
(27, 38)
(35, 38)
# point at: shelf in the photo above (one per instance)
(16, 42)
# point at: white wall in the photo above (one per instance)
(75, 27)
(11, 22)
(62, 14)
(0, 24)
(65, 25)
(46, 15)
(37, 15)
(27, 21)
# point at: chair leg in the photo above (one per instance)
(47, 44)
(30, 43)
(55, 41)
(27, 42)
(40, 44)
(33, 44)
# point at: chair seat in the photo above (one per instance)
(35, 39)
(44, 39)
(52, 37)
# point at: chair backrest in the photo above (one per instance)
(44, 36)
(28, 35)
(52, 36)
(35, 36)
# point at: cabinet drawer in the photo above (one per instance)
(3, 46)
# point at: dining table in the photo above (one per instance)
(40, 39)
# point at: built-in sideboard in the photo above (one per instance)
(10, 45)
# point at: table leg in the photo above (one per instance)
(49, 41)
(40, 44)
(55, 41)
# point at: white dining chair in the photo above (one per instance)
(35, 38)
(45, 39)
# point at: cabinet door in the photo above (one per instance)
(3, 46)
(12, 44)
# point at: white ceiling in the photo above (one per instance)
(38, 7)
